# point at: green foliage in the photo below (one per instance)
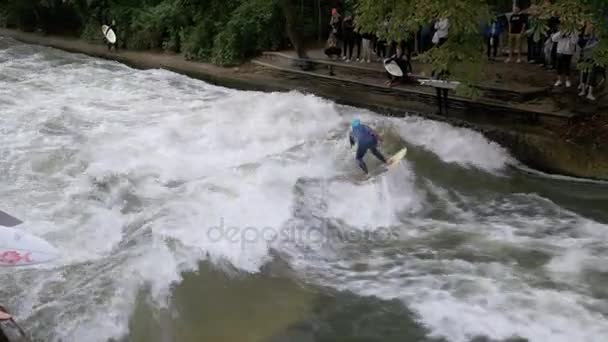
(224, 31)
(3, 14)
(395, 20)
(255, 25)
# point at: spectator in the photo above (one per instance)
(358, 42)
(380, 48)
(366, 42)
(425, 38)
(348, 36)
(550, 50)
(332, 51)
(517, 27)
(442, 27)
(492, 34)
(566, 46)
(335, 24)
(536, 37)
(592, 71)
(407, 48)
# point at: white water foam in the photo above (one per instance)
(453, 145)
(129, 171)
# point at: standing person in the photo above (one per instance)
(492, 34)
(566, 46)
(348, 35)
(358, 42)
(593, 71)
(111, 46)
(535, 34)
(366, 41)
(517, 27)
(442, 27)
(332, 51)
(366, 139)
(335, 24)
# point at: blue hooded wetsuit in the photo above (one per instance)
(366, 139)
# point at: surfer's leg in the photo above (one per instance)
(361, 150)
(378, 155)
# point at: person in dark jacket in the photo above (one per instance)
(492, 32)
(348, 35)
(366, 139)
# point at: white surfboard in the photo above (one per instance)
(440, 84)
(393, 69)
(19, 248)
(108, 33)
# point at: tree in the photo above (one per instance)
(291, 18)
(396, 20)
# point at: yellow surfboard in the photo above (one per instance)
(396, 158)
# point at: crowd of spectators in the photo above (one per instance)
(547, 44)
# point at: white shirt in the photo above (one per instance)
(566, 43)
(442, 27)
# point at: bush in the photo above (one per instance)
(197, 41)
(254, 26)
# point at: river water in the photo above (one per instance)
(190, 212)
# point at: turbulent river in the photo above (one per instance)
(190, 212)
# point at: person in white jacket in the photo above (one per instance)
(442, 27)
(566, 47)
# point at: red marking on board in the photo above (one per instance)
(14, 257)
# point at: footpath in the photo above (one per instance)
(525, 116)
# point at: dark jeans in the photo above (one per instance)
(554, 56)
(563, 65)
(492, 49)
(349, 44)
(381, 48)
(442, 99)
(593, 75)
(358, 39)
(535, 49)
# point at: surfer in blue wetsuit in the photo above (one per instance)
(366, 139)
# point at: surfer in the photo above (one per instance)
(112, 46)
(366, 139)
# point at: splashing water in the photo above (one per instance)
(137, 176)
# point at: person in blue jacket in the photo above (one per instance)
(366, 139)
(492, 32)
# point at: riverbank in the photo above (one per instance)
(531, 134)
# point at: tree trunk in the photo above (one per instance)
(292, 28)
(320, 21)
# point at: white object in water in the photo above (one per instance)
(19, 248)
(396, 158)
(393, 69)
(440, 84)
(108, 33)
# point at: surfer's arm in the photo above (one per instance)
(351, 139)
